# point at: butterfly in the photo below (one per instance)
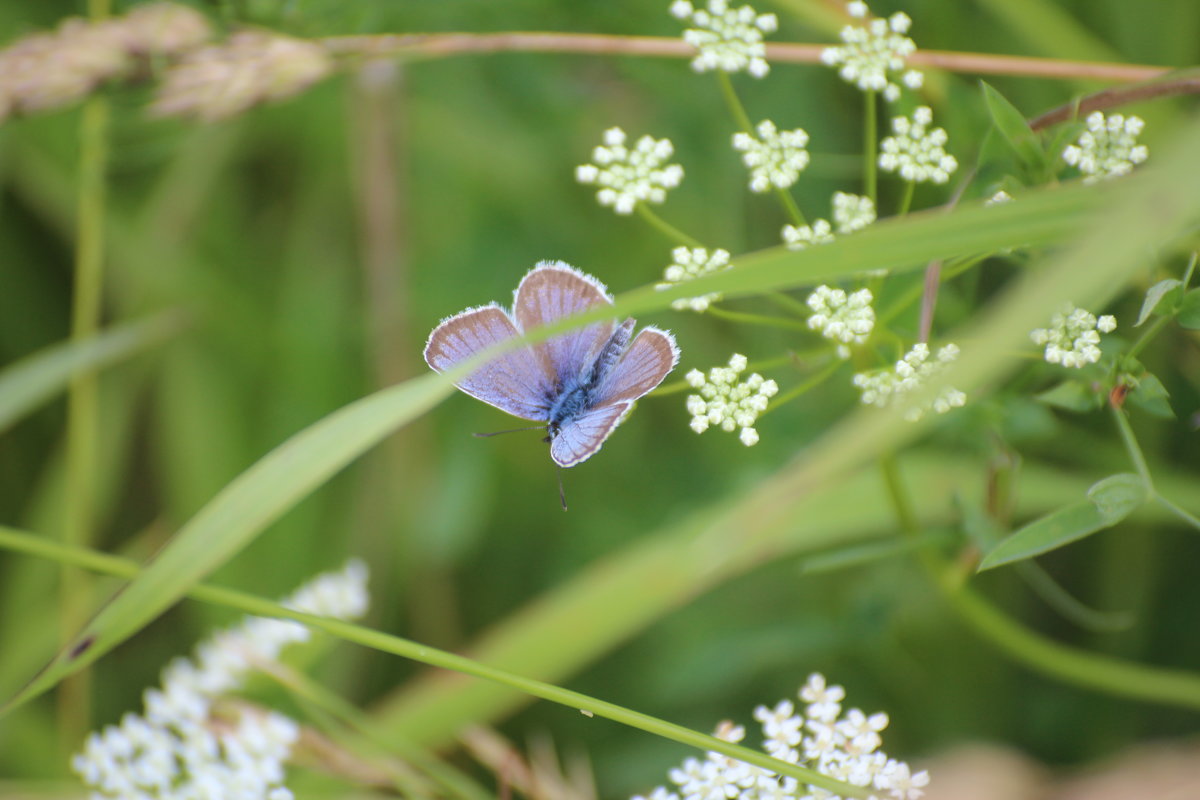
(581, 383)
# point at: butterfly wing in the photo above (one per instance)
(578, 438)
(650, 357)
(553, 290)
(514, 382)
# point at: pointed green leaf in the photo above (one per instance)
(1154, 296)
(1071, 395)
(1151, 396)
(1015, 130)
(1048, 533)
(1189, 310)
(1117, 496)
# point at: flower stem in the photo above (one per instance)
(666, 228)
(1132, 447)
(74, 704)
(906, 201)
(870, 144)
(735, 105)
(789, 205)
(1079, 667)
(757, 319)
(21, 541)
(810, 384)
(789, 303)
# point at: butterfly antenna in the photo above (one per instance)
(562, 496)
(510, 430)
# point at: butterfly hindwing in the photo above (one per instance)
(514, 382)
(650, 357)
(579, 437)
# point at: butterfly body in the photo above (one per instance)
(580, 383)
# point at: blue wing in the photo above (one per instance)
(550, 291)
(650, 358)
(515, 382)
(578, 438)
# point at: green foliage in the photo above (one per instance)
(280, 417)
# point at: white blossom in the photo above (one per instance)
(1108, 148)
(775, 158)
(874, 56)
(728, 39)
(852, 212)
(1073, 337)
(798, 237)
(177, 750)
(843, 318)
(916, 152)
(886, 387)
(627, 176)
(726, 403)
(691, 263)
(845, 747)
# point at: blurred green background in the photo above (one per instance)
(313, 244)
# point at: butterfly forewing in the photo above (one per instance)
(514, 382)
(549, 293)
(650, 358)
(581, 436)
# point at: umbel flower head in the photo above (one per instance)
(888, 387)
(851, 212)
(725, 402)
(845, 746)
(251, 67)
(1073, 336)
(916, 152)
(775, 158)
(179, 749)
(627, 177)
(728, 39)
(1108, 148)
(843, 318)
(688, 264)
(871, 56)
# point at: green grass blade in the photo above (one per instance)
(28, 383)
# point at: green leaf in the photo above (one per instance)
(35, 379)
(1154, 296)
(1015, 130)
(1117, 496)
(1151, 396)
(1071, 395)
(1047, 533)
(1189, 311)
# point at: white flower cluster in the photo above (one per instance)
(844, 318)
(998, 198)
(775, 158)
(177, 751)
(1108, 148)
(1073, 336)
(917, 153)
(728, 39)
(689, 264)
(871, 55)
(914, 370)
(842, 746)
(725, 402)
(851, 212)
(799, 237)
(627, 177)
